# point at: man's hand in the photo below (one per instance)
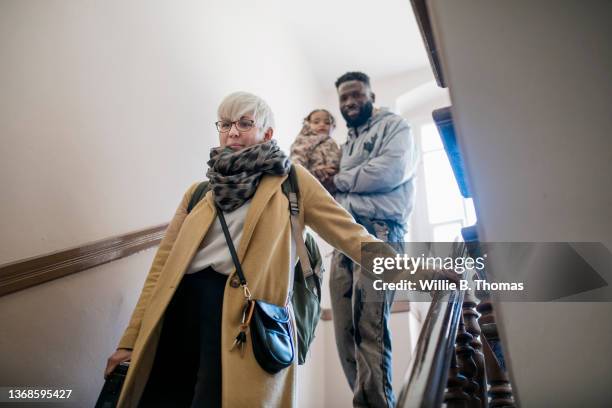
(423, 274)
(330, 186)
(439, 274)
(324, 173)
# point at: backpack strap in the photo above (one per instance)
(291, 190)
(197, 195)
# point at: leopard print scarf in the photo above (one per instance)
(235, 175)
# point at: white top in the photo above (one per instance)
(214, 251)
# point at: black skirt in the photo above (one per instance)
(187, 367)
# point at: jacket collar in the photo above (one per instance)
(377, 114)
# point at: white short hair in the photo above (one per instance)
(237, 104)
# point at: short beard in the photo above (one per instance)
(364, 114)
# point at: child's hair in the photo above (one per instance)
(332, 120)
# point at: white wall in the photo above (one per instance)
(107, 111)
(107, 105)
(59, 334)
(531, 91)
(389, 89)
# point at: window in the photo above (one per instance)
(447, 210)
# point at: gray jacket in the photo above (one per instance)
(377, 169)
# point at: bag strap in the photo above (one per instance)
(292, 191)
(232, 249)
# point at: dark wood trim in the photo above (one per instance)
(422, 16)
(398, 307)
(34, 271)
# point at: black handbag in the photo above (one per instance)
(270, 325)
(272, 336)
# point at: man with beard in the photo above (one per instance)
(375, 184)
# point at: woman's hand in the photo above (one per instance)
(118, 356)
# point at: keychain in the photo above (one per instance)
(241, 338)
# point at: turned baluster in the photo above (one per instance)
(488, 327)
(466, 363)
(455, 397)
(470, 317)
(501, 390)
(485, 308)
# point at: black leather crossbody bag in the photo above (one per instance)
(270, 325)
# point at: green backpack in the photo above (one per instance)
(306, 295)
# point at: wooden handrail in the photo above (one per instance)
(33, 271)
(433, 354)
(448, 364)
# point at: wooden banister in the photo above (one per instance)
(435, 349)
(33, 271)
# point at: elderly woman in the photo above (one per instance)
(188, 360)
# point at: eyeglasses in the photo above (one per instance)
(243, 125)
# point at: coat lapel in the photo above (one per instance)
(192, 233)
(266, 189)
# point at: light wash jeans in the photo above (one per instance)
(361, 327)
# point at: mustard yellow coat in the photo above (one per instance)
(264, 253)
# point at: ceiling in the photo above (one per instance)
(380, 38)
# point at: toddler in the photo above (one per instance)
(314, 148)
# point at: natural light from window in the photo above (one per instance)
(447, 210)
